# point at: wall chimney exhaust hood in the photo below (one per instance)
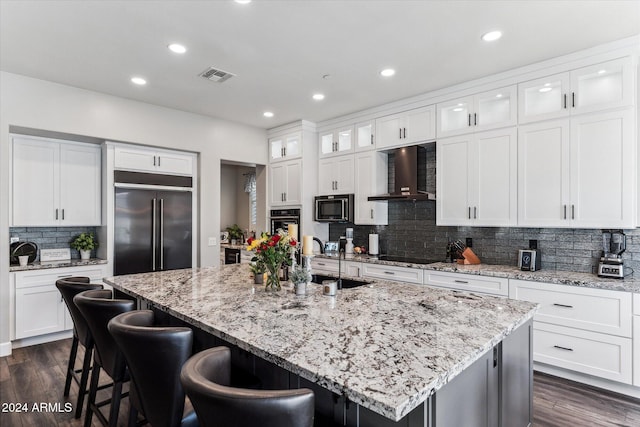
(408, 161)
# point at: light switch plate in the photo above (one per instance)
(212, 241)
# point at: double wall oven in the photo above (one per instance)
(281, 218)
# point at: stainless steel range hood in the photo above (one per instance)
(408, 162)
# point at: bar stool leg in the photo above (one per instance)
(133, 414)
(93, 390)
(116, 395)
(71, 365)
(82, 389)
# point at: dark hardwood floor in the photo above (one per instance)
(36, 374)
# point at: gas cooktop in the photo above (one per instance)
(407, 260)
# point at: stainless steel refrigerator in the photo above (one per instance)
(153, 230)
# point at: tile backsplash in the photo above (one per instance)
(51, 237)
(412, 232)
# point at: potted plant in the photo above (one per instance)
(84, 243)
(258, 269)
(235, 234)
(300, 277)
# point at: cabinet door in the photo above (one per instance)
(293, 191)
(388, 131)
(135, 159)
(39, 310)
(494, 195)
(495, 109)
(343, 171)
(278, 186)
(543, 174)
(636, 350)
(420, 125)
(455, 117)
(453, 170)
(365, 136)
(326, 177)
(370, 180)
(276, 149)
(544, 98)
(602, 86)
(603, 190)
(35, 182)
(327, 143)
(293, 146)
(80, 191)
(174, 163)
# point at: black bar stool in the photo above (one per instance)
(205, 377)
(155, 355)
(69, 287)
(98, 308)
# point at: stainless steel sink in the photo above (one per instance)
(346, 283)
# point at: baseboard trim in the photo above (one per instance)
(5, 349)
(626, 389)
(41, 339)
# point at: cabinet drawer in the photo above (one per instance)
(467, 282)
(591, 353)
(324, 265)
(33, 278)
(386, 272)
(596, 310)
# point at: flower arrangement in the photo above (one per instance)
(272, 252)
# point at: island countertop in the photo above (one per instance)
(387, 346)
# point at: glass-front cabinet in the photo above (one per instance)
(336, 141)
(285, 147)
(365, 136)
(593, 88)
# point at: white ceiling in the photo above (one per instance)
(280, 50)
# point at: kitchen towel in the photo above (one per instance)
(373, 244)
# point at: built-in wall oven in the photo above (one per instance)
(281, 218)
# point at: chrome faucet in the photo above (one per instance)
(341, 252)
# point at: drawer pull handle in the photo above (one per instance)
(464, 282)
(64, 275)
(563, 348)
(321, 263)
(389, 272)
(563, 305)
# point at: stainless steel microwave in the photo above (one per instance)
(334, 208)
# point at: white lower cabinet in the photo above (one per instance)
(467, 282)
(39, 307)
(636, 340)
(601, 355)
(331, 266)
(582, 329)
(389, 272)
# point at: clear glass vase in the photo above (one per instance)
(273, 278)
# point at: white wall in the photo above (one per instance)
(228, 191)
(50, 106)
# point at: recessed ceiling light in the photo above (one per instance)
(492, 36)
(602, 71)
(545, 89)
(499, 95)
(387, 72)
(177, 48)
(139, 81)
(318, 96)
(267, 114)
(243, 1)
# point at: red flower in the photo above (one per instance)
(275, 238)
(293, 242)
(272, 243)
(250, 240)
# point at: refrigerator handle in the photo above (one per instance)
(153, 232)
(161, 234)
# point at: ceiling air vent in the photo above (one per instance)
(216, 75)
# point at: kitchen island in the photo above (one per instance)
(382, 354)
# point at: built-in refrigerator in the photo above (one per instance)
(153, 228)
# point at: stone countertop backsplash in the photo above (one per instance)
(571, 278)
(37, 265)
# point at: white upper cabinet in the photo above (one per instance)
(285, 147)
(406, 128)
(370, 180)
(55, 183)
(365, 136)
(593, 88)
(285, 183)
(141, 159)
(488, 110)
(338, 141)
(335, 175)
(578, 173)
(477, 179)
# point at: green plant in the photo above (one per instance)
(257, 266)
(84, 242)
(235, 232)
(273, 252)
(299, 275)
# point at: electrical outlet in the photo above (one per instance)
(213, 241)
(469, 242)
(15, 239)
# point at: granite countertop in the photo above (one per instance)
(385, 346)
(570, 278)
(37, 265)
